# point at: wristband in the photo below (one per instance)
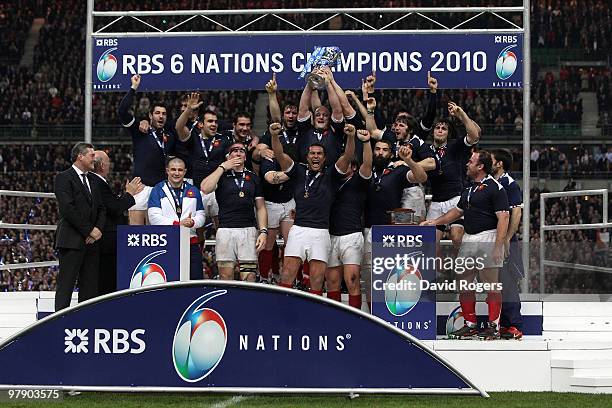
(263, 231)
(370, 112)
(221, 166)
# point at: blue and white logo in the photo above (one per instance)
(200, 340)
(107, 65)
(507, 62)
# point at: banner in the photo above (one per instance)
(222, 336)
(401, 278)
(248, 61)
(150, 255)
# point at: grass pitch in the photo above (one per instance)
(497, 400)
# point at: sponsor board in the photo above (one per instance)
(213, 335)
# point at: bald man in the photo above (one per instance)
(116, 206)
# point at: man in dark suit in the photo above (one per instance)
(115, 206)
(81, 220)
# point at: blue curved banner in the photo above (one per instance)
(222, 336)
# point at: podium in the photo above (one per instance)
(151, 255)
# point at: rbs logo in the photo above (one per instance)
(115, 341)
(402, 241)
(147, 240)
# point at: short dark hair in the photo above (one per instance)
(208, 111)
(317, 144)
(241, 114)
(504, 156)
(290, 105)
(452, 130)
(484, 158)
(229, 148)
(385, 141)
(170, 159)
(157, 104)
(79, 148)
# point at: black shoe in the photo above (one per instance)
(490, 333)
(464, 333)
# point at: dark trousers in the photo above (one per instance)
(107, 275)
(81, 264)
(196, 269)
(510, 276)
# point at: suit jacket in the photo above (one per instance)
(79, 211)
(115, 208)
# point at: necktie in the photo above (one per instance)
(84, 177)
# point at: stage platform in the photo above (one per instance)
(574, 352)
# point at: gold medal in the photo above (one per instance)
(178, 210)
(306, 194)
(241, 194)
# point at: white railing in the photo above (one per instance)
(566, 227)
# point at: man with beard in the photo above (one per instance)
(447, 180)
(484, 205)
(238, 192)
(385, 193)
(405, 130)
(150, 149)
(346, 227)
(315, 187)
(205, 145)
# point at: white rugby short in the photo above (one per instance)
(346, 249)
(236, 244)
(414, 199)
(366, 262)
(142, 199)
(211, 207)
(480, 246)
(308, 243)
(279, 212)
(439, 208)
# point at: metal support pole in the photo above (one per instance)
(526, 145)
(542, 242)
(88, 71)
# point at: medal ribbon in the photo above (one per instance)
(160, 143)
(178, 201)
(378, 180)
(307, 185)
(241, 184)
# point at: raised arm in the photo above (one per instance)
(472, 128)
(347, 110)
(332, 95)
(283, 159)
(432, 105)
(271, 88)
(366, 166)
(304, 108)
(344, 161)
(416, 173)
(375, 132)
(127, 119)
(193, 104)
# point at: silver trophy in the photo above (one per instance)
(321, 57)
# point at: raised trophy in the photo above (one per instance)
(321, 57)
